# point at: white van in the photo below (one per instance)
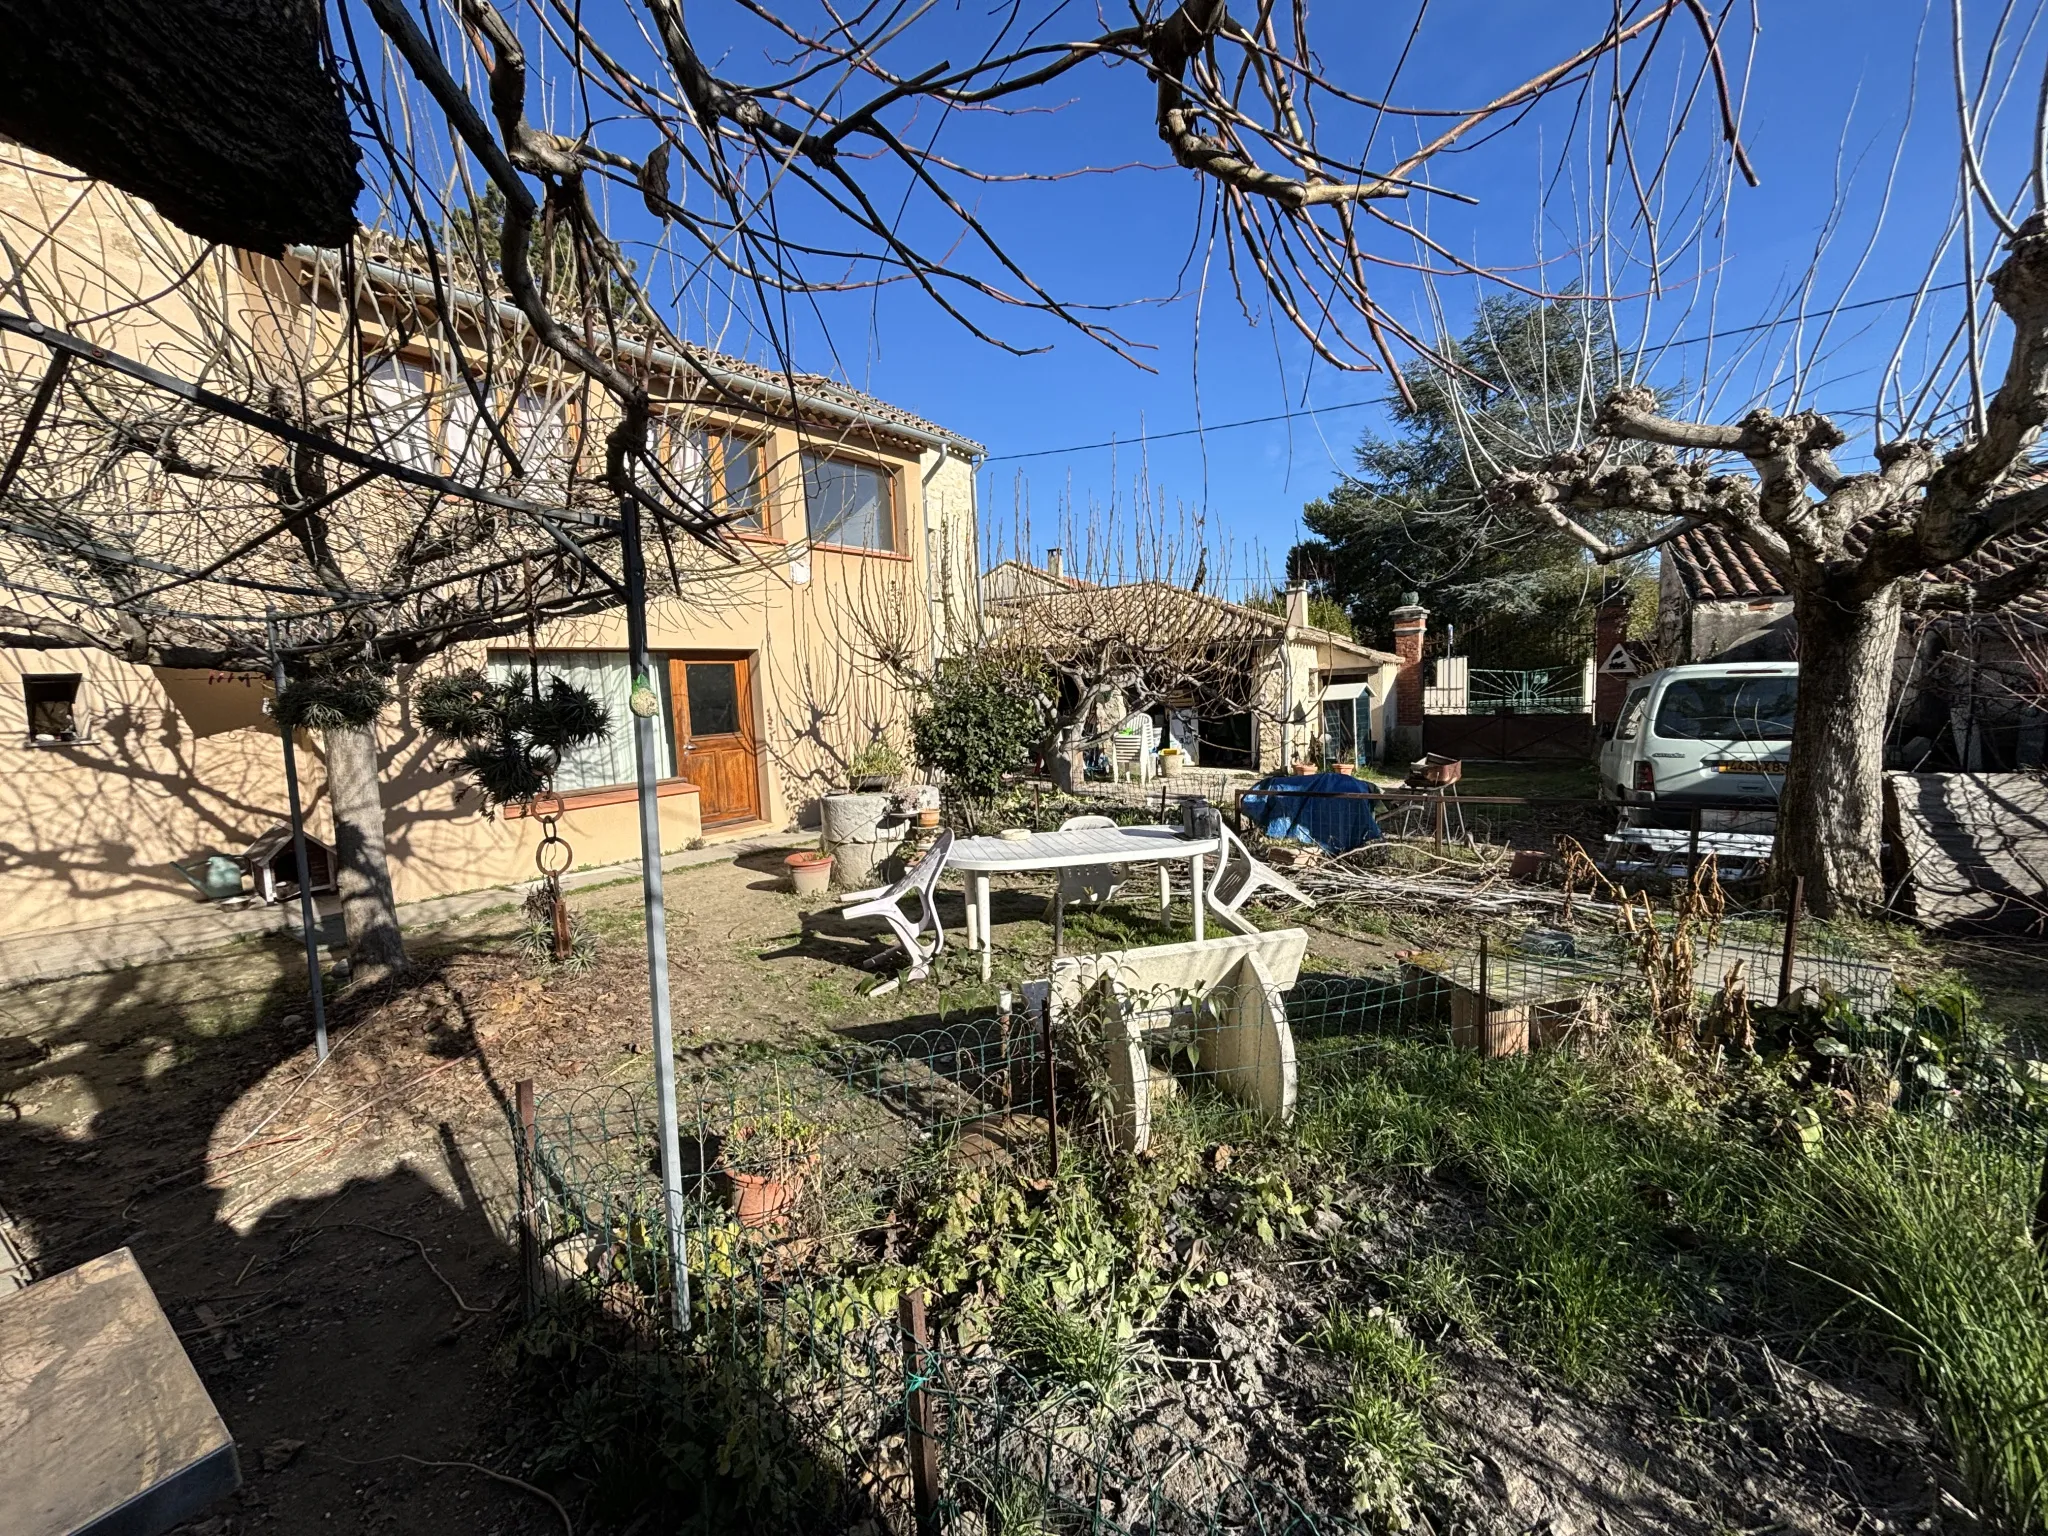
(1716, 732)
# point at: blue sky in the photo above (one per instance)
(1826, 115)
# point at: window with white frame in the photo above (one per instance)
(849, 504)
(607, 678)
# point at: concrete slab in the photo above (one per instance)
(104, 1425)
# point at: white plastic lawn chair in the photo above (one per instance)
(886, 902)
(1094, 883)
(1134, 743)
(1239, 877)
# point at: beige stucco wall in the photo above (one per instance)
(88, 829)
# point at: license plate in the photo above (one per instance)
(1763, 765)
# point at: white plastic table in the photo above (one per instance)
(979, 858)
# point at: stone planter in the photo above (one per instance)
(810, 872)
(861, 832)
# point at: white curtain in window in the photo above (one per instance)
(465, 440)
(846, 504)
(543, 429)
(398, 394)
(605, 676)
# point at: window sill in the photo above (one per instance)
(583, 799)
(859, 549)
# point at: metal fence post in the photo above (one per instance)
(1485, 1007)
(1798, 900)
(922, 1444)
(1692, 845)
(1052, 1083)
(529, 1244)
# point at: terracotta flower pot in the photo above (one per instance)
(766, 1199)
(810, 872)
(928, 817)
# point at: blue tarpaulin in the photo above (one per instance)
(1303, 810)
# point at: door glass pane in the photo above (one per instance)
(714, 697)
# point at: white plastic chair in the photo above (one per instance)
(886, 902)
(1136, 742)
(1239, 876)
(1091, 882)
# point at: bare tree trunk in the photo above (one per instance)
(376, 949)
(1065, 761)
(1831, 825)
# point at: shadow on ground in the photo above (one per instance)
(342, 1276)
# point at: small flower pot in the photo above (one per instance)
(1304, 770)
(928, 816)
(764, 1200)
(810, 873)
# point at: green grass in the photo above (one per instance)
(1612, 1199)
(1385, 1446)
(1379, 1354)
(1064, 1346)
(1580, 1184)
(1927, 1229)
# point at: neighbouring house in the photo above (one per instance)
(1969, 690)
(843, 506)
(1234, 686)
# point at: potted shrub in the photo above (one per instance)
(874, 767)
(810, 871)
(767, 1159)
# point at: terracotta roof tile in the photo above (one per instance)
(1714, 567)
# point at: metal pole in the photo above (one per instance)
(921, 1442)
(645, 751)
(1798, 900)
(529, 1247)
(307, 918)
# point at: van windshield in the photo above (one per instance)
(1728, 709)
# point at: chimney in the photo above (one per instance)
(1297, 606)
(1411, 623)
(1053, 561)
(1610, 628)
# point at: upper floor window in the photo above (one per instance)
(722, 470)
(53, 712)
(404, 426)
(540, 430)
(849, 504)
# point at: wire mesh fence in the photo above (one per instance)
(799, 1166)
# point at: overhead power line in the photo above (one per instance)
(1352, 405)
(1160, 437)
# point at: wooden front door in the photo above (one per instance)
(714, 707)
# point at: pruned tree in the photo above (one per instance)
(1950, 484)
(321, 496)
(1123, 620)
